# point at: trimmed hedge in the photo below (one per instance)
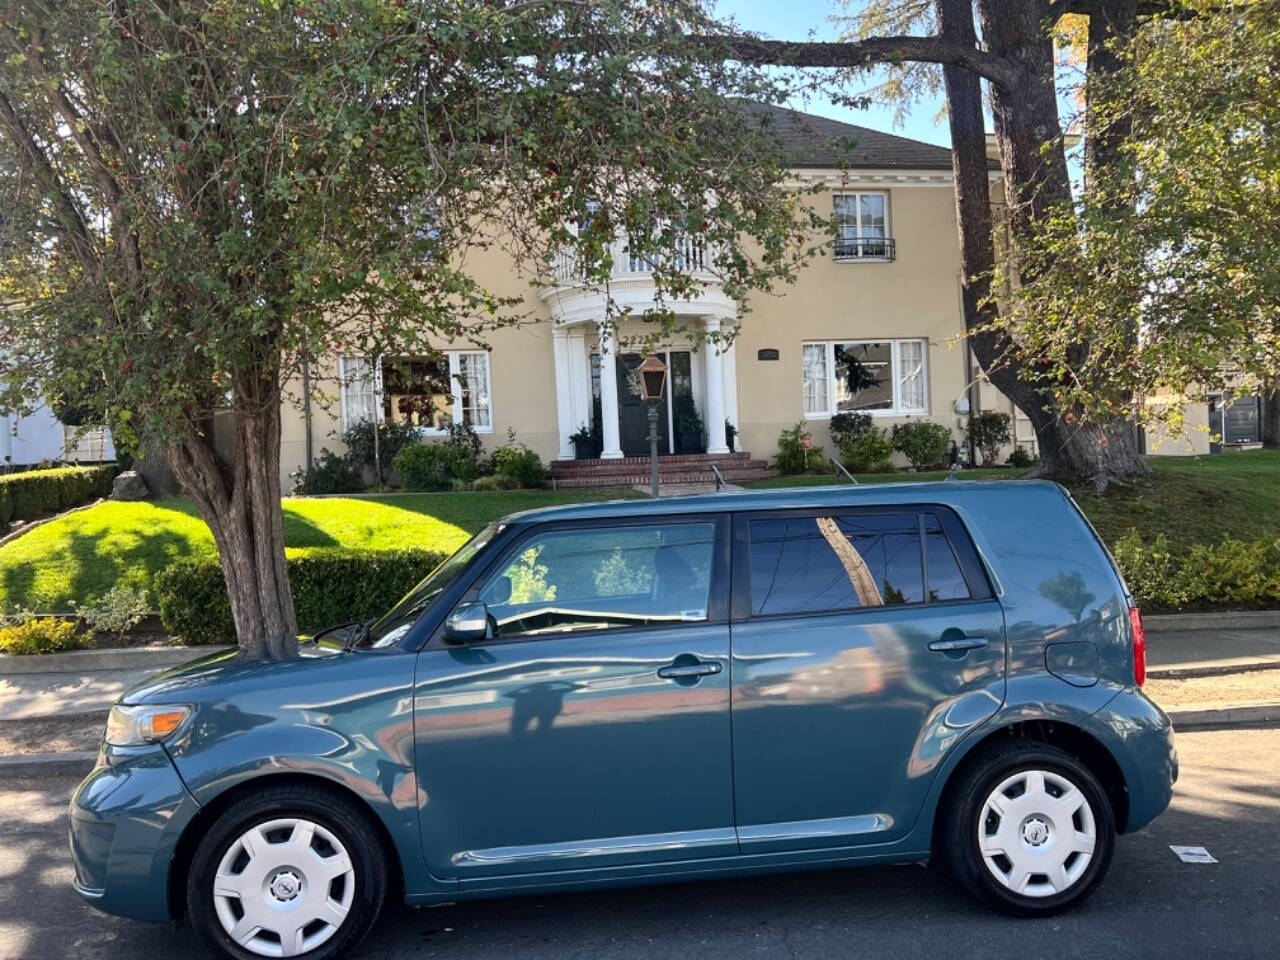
(1231, 573)
(330, 586)
(36, 493)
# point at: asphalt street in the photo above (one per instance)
(1152, 904)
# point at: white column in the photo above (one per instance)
(609, 396)
(714, 405)
(731, 387)
(564, 387)
(579, 377)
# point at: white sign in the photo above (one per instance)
(1192, 854)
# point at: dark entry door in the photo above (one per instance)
(633, 412)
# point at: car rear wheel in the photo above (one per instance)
(1029, 829)
(287, 872)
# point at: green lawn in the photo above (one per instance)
(83, 555)
(1188, 499)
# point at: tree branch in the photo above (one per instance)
(74, 225)
(866, 53)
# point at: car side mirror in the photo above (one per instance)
(468, 623)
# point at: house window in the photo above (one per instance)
(862, 226)
(886, 377)
(423, 391)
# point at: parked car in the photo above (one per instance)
(654, 691)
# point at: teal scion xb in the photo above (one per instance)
(652, 691)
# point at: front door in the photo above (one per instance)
(859, 660)
(633, 412)
(592, 729)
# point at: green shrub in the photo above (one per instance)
(28, 634)
(427, 466)
(1230, 573)
(392, 438)
(870, 452)
(792, 455)
(1020, 458)
(989, 431)
(330, 473)
(36, 493)
(517, 462)
(496, 481)
(922, 442)
(116, 611)
(330, 586)
(847, 426)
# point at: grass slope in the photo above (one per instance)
(83, 555)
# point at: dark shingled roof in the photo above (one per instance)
(811, 141)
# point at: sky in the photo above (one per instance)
(795, 20)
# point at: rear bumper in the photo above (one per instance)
(1141, 739)
(126, 818)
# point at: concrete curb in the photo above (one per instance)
(1227, 716)
(46, 764)
(1220, 668)
(1223, 620)
(93, 661)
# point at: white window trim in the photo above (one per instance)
(895, 355)
(888, 224)
(455, 390)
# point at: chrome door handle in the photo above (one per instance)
(954, 644)
(681, 671)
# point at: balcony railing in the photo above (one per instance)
(865, 248)
(689, 255)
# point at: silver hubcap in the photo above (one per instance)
(284, 887)
(1037, 833)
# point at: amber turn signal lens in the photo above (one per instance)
(163, 724)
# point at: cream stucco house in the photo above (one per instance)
(885, 299)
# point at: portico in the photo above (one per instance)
(594, 359)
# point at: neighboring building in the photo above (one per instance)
(39, 437)
(872, 326)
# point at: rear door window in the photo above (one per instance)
(849, 560)
(812, 564)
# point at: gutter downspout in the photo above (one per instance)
(306, 407)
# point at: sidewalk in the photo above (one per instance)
(1186, 653)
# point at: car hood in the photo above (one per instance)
(217, 675)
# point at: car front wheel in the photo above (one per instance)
(292, 871)
(1029, 829)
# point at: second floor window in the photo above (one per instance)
(863, 226)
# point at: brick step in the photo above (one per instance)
(664, 469)
(677, 458)
(630, 480)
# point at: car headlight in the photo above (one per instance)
(149, 723)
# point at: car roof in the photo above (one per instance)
(842, 495)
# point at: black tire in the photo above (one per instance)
(329, 809)
(959, 837)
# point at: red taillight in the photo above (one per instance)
(1139, 646)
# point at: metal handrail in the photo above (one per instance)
(840, 469)
(720, 480)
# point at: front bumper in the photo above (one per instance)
(1140, 736)
(126, 818)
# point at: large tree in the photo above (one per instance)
(200, 197)
(1015, 57)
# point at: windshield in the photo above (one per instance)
(388, 630)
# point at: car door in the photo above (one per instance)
(591, 730)
(866, 642)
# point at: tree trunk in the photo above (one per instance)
(241, 503)
(1033, 162)
(1271, 416)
